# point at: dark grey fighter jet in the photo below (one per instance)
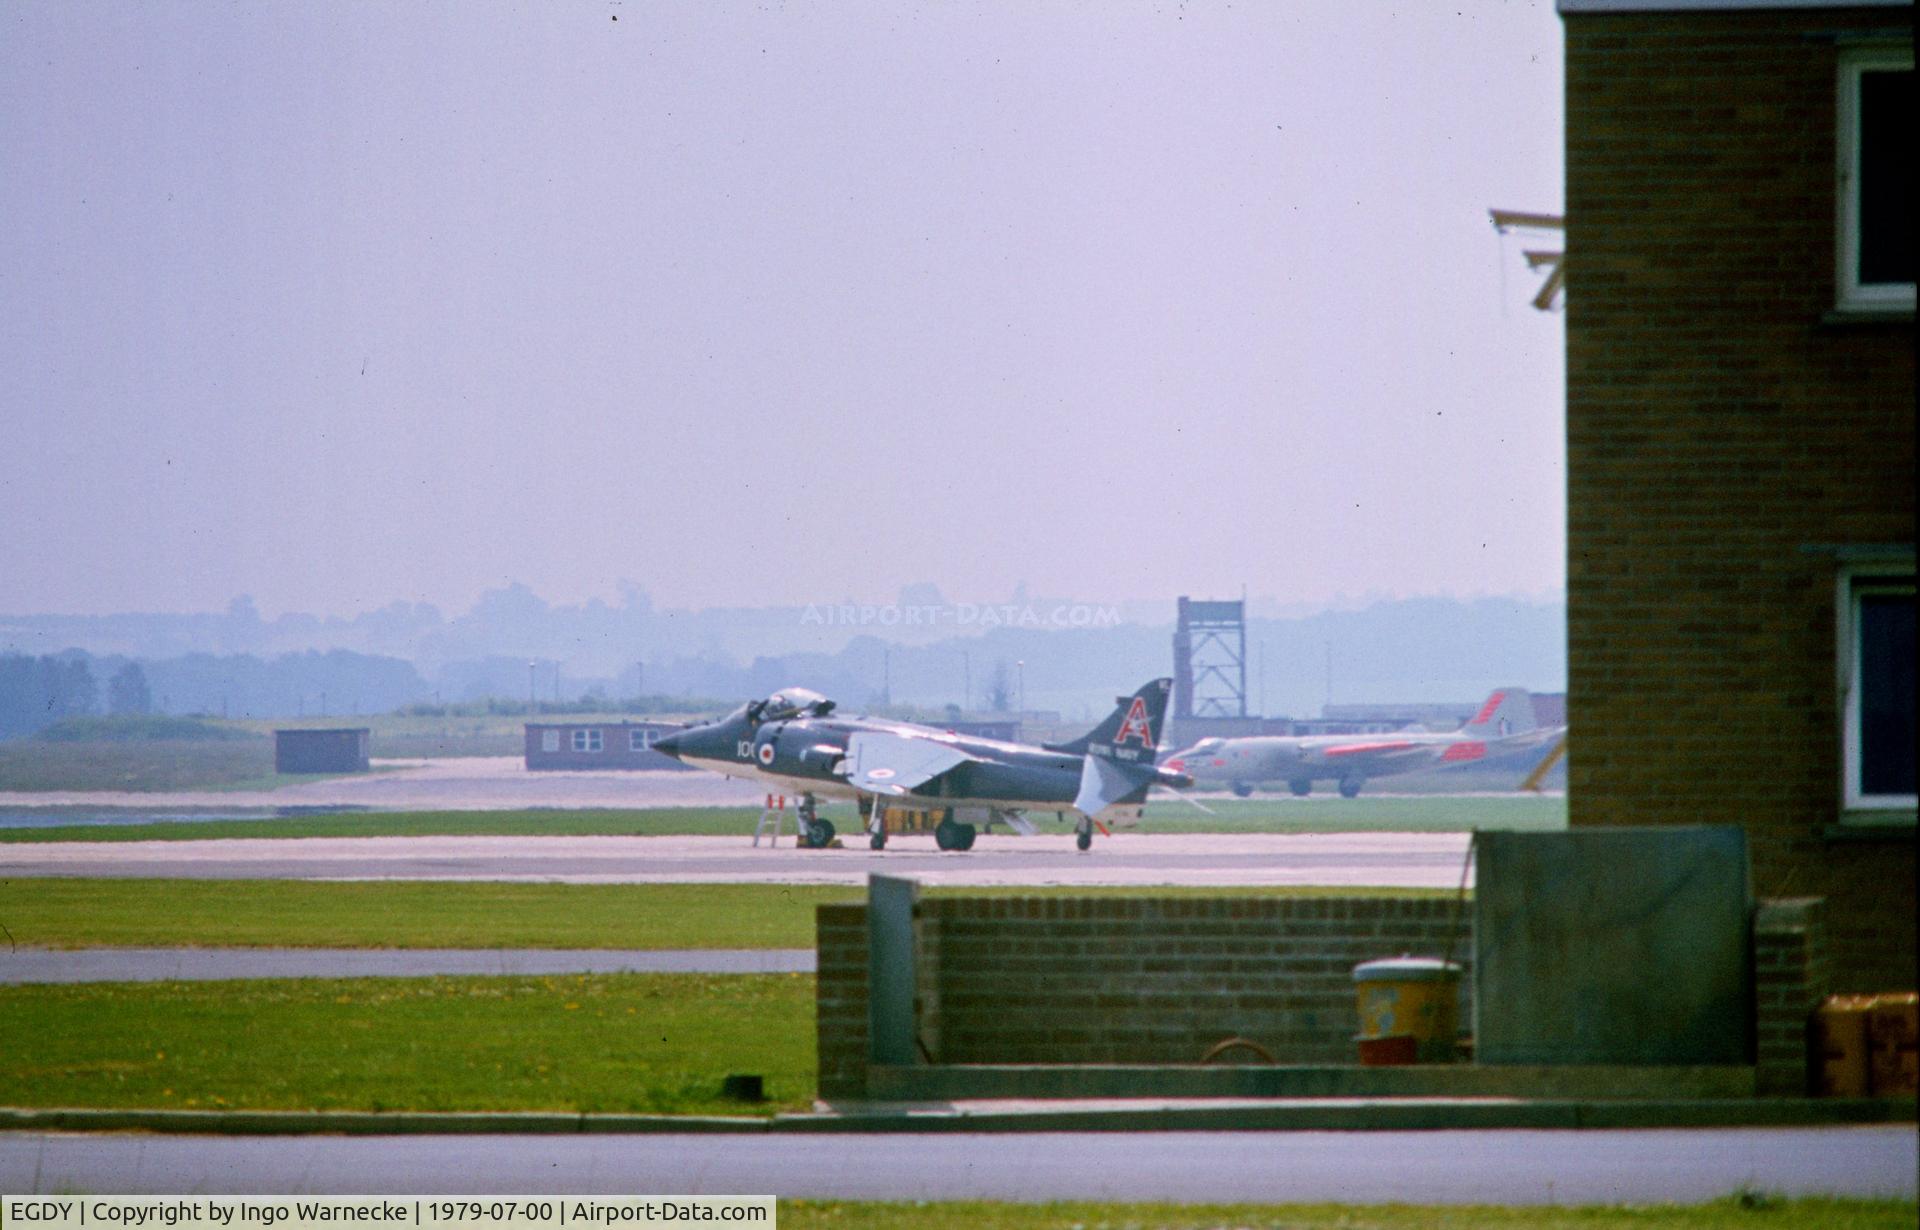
(795, 742)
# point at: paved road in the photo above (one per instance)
(211, 964)
(467, 783)
(1413, 860)
(1445, 1167)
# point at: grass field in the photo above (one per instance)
(246, 761)
(167, 764)
(1401, 814)
(81, 913)
(663, 821)
(1423, 814)
(641, 1043)
(1733, 1213)
(90, 913)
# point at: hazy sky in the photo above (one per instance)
(335, 304)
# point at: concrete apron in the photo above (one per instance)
(1107, 1115)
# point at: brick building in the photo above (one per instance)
(1740, 443)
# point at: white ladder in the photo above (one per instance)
(770, 818)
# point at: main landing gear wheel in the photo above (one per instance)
(967, 834)
(815, 833)
(1349, 787)
(951, 836)
(1241, 790)
(1301, 787)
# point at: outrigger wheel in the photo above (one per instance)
(878, 841)
(1084, 839)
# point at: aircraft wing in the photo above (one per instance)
(1383, 749)
(1377, 748)
(1381, 753)
(884, 763)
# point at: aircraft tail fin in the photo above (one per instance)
(1508, 711)
(1135, 726)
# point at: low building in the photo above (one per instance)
(1006, 729)
(596, 743)
(1185, 732)
(1549, 709)
(332, 750)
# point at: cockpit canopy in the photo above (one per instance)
(1207, 745)
(790, 703)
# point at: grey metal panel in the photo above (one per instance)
(890, 969)
(1613, 946)
(322, 750)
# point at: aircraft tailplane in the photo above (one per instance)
(1137, 722)
(1108, 788)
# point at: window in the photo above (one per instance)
(1877, 685)
(639, 740)
(1876, 179)
(549, 740)
(586, 741)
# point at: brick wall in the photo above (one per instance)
(840, 1000)
(1125, 980)
(1158, 980)
(1717, 424)
(1790, 978)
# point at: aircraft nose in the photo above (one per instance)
(667, 745)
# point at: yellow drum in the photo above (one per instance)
(1840, 1045)
(1409, 1010)
(1892, 1026)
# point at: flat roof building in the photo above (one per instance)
(330, 750)
(593, 743)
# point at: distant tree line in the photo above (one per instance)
(594, 701)
(37, 692)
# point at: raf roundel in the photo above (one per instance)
(766, 753)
